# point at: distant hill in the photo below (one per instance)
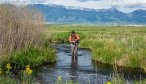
(62, 14)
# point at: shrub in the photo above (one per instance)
(20, 27)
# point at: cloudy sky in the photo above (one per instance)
(122, 5)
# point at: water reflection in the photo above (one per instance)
(73, 68)
(82, 69)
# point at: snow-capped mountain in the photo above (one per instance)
(69, 14)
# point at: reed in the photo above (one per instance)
(19, 28)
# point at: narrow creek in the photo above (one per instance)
(81, 69)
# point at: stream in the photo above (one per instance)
(81, 69)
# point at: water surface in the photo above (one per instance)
(81, 69)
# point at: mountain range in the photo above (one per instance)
(75, 15)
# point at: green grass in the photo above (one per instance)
(124, 46)
(31, 56)
(9, 80)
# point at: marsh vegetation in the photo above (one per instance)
(120, 45)
(22, 42)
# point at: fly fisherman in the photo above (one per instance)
(74, 40)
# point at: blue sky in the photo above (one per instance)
(122, 5)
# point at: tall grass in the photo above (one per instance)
(19, 28)
(22, 41)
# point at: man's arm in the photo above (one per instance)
(77, 36)
(70, 39)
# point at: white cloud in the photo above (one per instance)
(18, 2)
(87, 4)
(123, 5)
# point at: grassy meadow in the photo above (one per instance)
(120, 45)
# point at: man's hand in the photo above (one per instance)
(72, 41)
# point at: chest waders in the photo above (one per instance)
(74, 49)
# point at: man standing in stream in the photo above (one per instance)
(74, 40)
